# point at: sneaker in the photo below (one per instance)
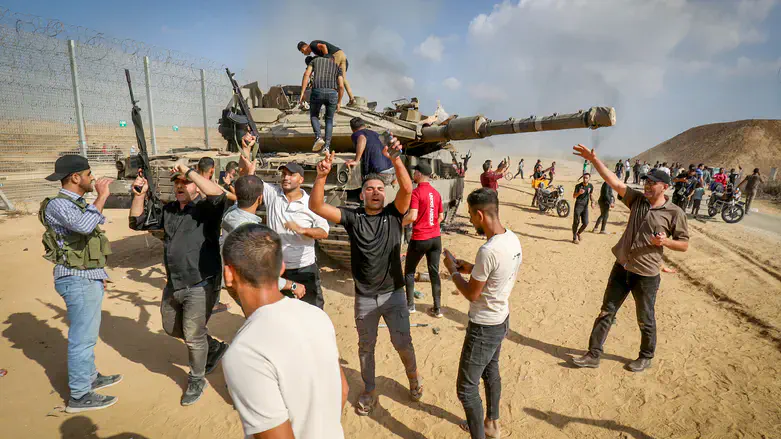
(639, 365)
(214, 356)
(436, 313)
(194, 391)
(103, 381)
(319, 143)
(412, 309)
(575, 240)
(90, 401)
(588, 360)
(326, 150)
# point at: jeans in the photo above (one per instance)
(581, 216)
(604, 213)
(480, 359)
(643, 289)
(185, 313)
(520, 172)
(432, 249)
(637, 177)
(317, 98)
(392, 307)
(83, 299)
(309, 277)
(626, 176)
(696, 206)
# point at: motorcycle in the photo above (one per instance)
(732, 210)
(548, 200)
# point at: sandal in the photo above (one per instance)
(416, 390)
(365, 405)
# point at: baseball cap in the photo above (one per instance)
(293, 167)
(423, 168)
(177, 175)
(67, 165)
(657, 175)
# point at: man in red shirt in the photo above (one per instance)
(490, 178)
(425, 214)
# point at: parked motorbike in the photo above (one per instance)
(732, 210)
(548, 200)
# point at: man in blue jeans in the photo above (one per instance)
(74, 242)
(327, 90)
(488, 292)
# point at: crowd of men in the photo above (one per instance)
(282, 368)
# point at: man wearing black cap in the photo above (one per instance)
(77, 246)
(425, 214)
(288, 214)
(654, 223)
(191, 255)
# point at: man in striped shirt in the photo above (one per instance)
(74, 242)
(327, 90)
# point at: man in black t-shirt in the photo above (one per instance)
(375, 253)
(326, 49)
(583, 195)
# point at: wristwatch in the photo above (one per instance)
(293, 286)
(187, 174)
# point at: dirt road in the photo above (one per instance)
(716, 373)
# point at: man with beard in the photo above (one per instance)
(191, 255)
(654, 223)
(375, 254)
(491, 280)
(77, 246)
(288, 214)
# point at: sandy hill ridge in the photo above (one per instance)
(748, 143)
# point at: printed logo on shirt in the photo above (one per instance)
(431, 208)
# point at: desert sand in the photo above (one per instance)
(716, 373)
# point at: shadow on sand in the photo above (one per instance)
(82, 427)
(560, 421)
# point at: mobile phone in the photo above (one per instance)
(451, 257)
(385, 138)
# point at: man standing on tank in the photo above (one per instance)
(368, 152)
(327, 90)
(326, 49)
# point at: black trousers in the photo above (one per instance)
(432, 250)
(604, 212)
(643, 289)
(637, 177)
(581, 216)
(480, 359)
(309, 277)
(626, 176)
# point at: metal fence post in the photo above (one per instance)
(205, 117)
(77, 99)
(147, 77)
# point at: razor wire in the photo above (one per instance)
(38, 120)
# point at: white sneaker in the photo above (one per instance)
(319, 142)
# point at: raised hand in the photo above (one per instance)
(324, 167)
(101, 186)
(140, 185)
(584, 152)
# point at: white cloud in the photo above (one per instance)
(405, 83)
(451, 83)
(431, 49)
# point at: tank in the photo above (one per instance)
(285, 134)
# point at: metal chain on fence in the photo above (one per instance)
(38, 115)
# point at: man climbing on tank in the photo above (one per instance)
(327, 90)
(326, 49)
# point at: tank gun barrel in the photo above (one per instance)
(477, 127)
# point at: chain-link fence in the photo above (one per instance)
(45, 64)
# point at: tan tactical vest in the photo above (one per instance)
(80, 252)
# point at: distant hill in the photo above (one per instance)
(749, 143)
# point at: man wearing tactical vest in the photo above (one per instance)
(191, 255)
(77, 246)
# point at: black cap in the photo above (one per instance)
(67, 165)
(293, 167)
(658, 175)
(423, 168)
(183, 175)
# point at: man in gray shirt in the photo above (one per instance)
(327, 90)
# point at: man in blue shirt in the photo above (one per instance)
(368, 151)
(74, 242)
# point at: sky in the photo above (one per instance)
(665, 66)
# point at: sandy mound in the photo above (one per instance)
(747, 143)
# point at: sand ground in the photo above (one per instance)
(716, 373)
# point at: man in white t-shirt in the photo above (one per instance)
(488, 291)
(282, 368)
(664, 168)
